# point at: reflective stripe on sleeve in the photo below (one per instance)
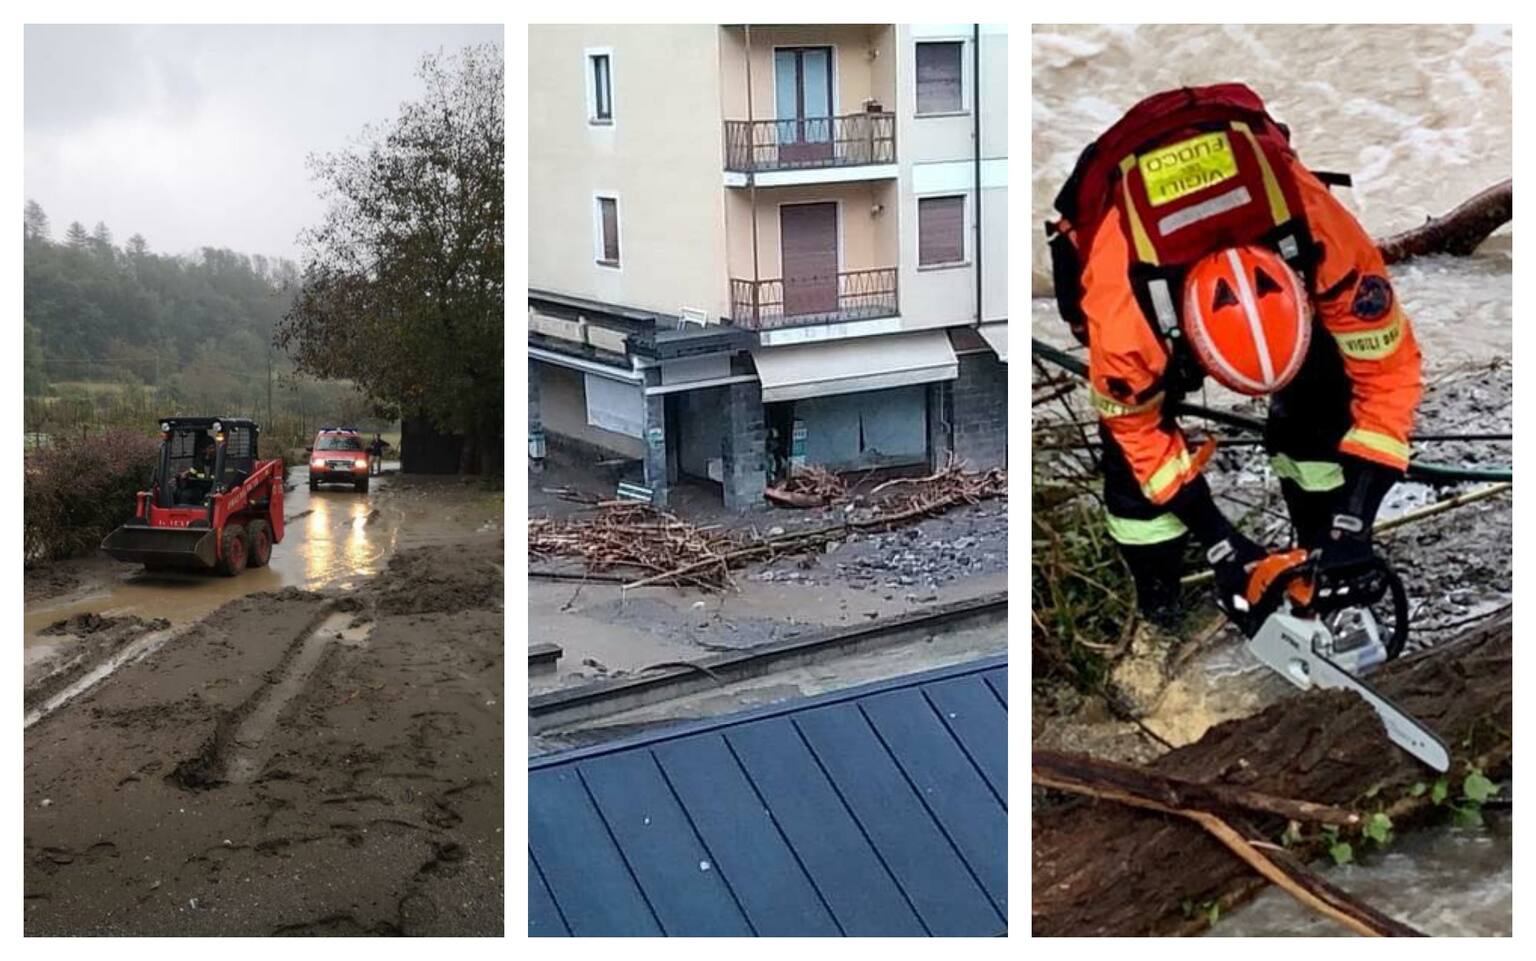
(1313, 476)
(1378, 442)
(1372, 344)
(1167, 475)
(1158, 530)
(1109, 407)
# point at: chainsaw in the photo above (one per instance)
(1320, 635)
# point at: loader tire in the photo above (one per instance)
(233, 551)
(258, 535)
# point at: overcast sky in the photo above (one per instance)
(197, 136)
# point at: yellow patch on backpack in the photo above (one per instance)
(1179, 169)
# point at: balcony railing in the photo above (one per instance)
(850, 295)
(810, 143)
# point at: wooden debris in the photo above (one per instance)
(1201, 802)
(1459, 232)
(1112, 869)
(1081, 774)
(637, 536)
(673, 551)
(1150, 792)
(808, 486)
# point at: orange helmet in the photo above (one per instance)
(1247, 318)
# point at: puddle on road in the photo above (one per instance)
(332, 538)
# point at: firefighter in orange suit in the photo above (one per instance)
(1217, 253)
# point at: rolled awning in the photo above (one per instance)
(996, 336)
(854, 364)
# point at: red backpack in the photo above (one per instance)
(1191, 171)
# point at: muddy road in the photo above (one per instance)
(312, 749)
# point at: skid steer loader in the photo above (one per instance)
(212, 504)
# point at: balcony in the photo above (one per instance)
(859, 146)
(851, 295)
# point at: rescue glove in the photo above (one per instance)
(1230, 553)
(1349, 572)
(1232, 560)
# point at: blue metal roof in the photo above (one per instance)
(876, 810)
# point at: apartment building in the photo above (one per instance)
(752, 246)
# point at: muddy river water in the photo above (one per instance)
(1421, 117)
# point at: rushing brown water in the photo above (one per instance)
(1419, 115)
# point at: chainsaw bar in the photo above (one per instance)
(1293, 647)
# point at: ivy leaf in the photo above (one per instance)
(1342, 853)
(1379, 828)
(1213, 912)
(1468, 817)
(1478, 788)
(1418, 789)
(1438, 793)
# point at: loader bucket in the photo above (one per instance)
(163, 546)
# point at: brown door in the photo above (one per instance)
(808, 246)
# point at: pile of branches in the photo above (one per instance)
(638, 537)
(672, 551)
(950, 487)
(810, 485)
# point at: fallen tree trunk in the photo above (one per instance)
(1080, 774)
(1103, 868)
(1140, 788)
(1459, 232)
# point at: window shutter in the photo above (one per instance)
(938, 78)
(940, 230)
(610, 209)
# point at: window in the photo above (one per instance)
(940, 230)
(608, 231)
(938, 77)
(602, 88)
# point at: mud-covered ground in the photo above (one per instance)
(44, 581)
(296, 762)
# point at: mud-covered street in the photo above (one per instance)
(312, 748)
(606, 633)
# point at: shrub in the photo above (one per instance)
(79, 489)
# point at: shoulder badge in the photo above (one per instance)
(1373, 298)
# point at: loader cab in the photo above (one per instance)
(200, 456)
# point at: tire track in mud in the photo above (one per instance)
(135, 651)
